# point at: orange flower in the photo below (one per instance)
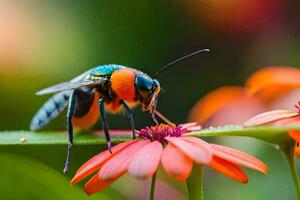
(226, 105)
(169, 146)
(267, 88)
(272, 82)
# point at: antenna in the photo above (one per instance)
(178, 60)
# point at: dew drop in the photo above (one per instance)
(23, 140)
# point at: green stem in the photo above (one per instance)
(195, 184)
(153, 181)
(289, 153)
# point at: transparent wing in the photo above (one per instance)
(68, 86)
(82, 80)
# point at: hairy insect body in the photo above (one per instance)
(111, 88)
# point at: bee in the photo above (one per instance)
(106, 88)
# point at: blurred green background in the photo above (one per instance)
(46, 42)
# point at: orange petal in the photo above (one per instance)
(239, 158)
(98, 160)
(199, 152)
(270, 116)
(95, 185)
(146, 161)
(176, 163)
(295, 135)
(271, 82)
(272, 93)
(229, 169)
(214, 101)
(118, 165)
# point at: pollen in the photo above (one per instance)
(159, 132)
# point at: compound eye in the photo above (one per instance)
(143, 83)
(155, 83)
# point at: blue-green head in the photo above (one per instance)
(147, 91)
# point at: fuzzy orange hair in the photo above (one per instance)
(122, 83)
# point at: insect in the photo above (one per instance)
(104, 88)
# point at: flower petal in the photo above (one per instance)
(176, 163)
(146, 160)
(229, 169)
(295, 135)
(214, 101)
(287, 121)
(270, 116)
(98, 160)
(193, 128)
(118, 165)
(95, 185)
(199, 152)
(187, 125)
(272, 77)
(238, 157)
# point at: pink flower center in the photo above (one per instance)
(159, 132)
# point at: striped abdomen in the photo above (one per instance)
(50, 110)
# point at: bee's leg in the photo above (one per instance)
(154, 119)
(70, 113)
(162, 117)
(104, 123)
(153, 116)
(152, 112)
(130, 117)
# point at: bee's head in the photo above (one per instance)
(147, 91)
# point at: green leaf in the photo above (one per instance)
(25, 178)
(44, 138)
(275, 135)
(195, 184)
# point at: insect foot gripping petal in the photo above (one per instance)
(104, 123)
(109, 146)
(70, 114)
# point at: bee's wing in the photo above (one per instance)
(78, 82)
(68, 86)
